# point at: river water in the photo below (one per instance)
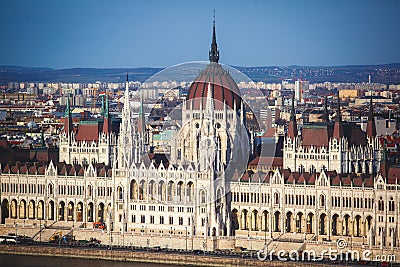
(40, 261)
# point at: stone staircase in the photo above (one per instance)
(287, 243)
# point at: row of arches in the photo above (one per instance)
(159, 191)
(301, 223)
(58, 211)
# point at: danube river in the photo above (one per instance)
(40, 261)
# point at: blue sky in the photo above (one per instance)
(156, 33)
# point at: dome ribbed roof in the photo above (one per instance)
(224, 88)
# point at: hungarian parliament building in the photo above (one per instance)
(334, 180)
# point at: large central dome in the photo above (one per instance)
(224, 88)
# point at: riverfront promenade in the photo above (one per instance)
(144, 257)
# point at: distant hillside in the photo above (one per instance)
(386, 73)
(79, 75)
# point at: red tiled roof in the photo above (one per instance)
(267, 161)
(315, 137)
(88, 132)
(224, 88)
(245, 177)
(393, 175)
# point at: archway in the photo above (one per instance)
(235, 221)
(79, 212)
(244, 219)
(31, 209)
(161, 191)
(5, 212)
(265, 223)
(346, 226)
(189, 192)
(299, 222)
(322, 224)
(171, 191)
(90, 212)
(277, 220)
(142, 190)
(61, 211)
(368, 223)
(310, 221)
(357, 226)
(152, 191)
(70, 212)
(22, 209)
(40, 210)
(133, 190)
(51, 210)
(179, 191)
(254, 220)
(288, 223)
(14, 209)
(100, 213)
(335, 224)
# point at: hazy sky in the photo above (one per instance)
(156, 33)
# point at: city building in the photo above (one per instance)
(333, 181)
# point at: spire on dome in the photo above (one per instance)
(213, 54)
(371, 128)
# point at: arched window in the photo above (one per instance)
(381, 204)
(312, 169)
(276, 198)
(90, 190)
(391, 204)
(50, 189)
(322, 200)
(202, 197)
(120, 193)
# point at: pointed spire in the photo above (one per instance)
(213, 54)
(292, 112)
(107, 122)
(141, 119)
(292, 129)
(338, 115)
(384, 162)
(371, 127)
(338, 127)
(102, 105)
(326, 113)
(68, 118)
